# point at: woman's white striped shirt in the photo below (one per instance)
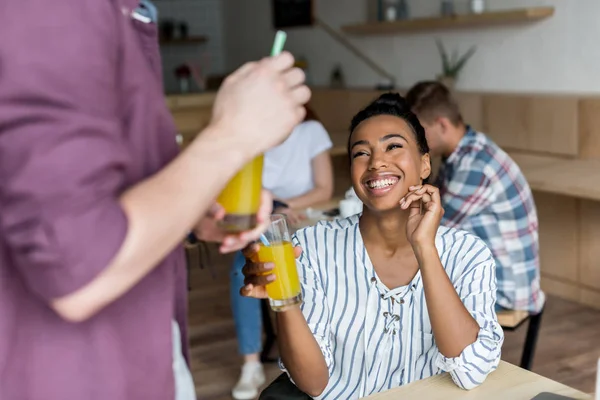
(374, 338)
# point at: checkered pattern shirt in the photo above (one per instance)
(484, 192)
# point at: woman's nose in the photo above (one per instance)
(377, 162)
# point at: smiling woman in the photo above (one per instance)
(390, 297)
(388, 152)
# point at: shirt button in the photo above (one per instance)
(382, 296)
(385, 314)
(373, 280)
(401, 301)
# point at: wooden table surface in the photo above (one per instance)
(576, 178)
(328, 205)
(508, 382)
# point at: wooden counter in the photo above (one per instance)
(555, 139)
(574, 178)
(191, 113)
(507, 382)
(193, 100)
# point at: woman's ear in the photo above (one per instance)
(425, 166)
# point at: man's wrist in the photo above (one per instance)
(214, 141)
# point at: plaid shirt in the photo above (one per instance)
(484, 192)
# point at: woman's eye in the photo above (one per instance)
(394, 146)
(359, 153)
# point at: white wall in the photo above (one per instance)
(204, 17)
(561, 54)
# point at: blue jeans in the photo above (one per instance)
(246, 311)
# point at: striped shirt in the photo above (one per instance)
(484, 192)
(374, 338)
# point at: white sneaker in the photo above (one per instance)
(252, 378)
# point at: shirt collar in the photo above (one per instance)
(462, 144)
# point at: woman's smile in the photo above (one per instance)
(380, 184)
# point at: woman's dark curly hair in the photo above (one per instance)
(396, 105)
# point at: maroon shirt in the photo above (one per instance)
(82, 118)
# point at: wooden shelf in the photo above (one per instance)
(190, 100)
(184, 41)
(491, 18)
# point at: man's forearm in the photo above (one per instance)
(160, 211)
(453, 327)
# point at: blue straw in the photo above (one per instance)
(264, 240)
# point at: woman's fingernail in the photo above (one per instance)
(271, 278)
(269, 266)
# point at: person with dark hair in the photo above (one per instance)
(298, 173)
(390, 297)
(483, 192)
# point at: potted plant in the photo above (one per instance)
(452, 65)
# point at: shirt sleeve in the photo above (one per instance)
(314, 306)
(476, 287)
(62, 159)
(467, 194)
(319, 138)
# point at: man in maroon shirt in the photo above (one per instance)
(94, 198)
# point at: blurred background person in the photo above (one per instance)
(483, 192)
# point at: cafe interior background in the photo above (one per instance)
(532, 84)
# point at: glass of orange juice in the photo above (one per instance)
(284, 291)
(241, 198)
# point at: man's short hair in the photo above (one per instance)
(431, 100)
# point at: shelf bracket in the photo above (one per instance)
(354, 50)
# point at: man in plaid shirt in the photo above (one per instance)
(483, 192)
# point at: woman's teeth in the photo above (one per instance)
(381, 183)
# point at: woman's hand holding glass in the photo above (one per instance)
(257, 275)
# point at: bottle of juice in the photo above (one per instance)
(241, 198)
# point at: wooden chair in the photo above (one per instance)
(511, 320)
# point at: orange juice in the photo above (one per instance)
(241, 197)
(285, 290)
